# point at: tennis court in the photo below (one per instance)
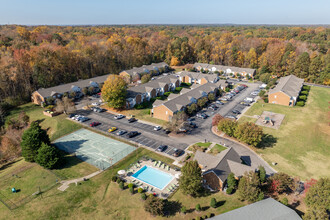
(94, 148)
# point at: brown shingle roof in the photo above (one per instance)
(290, 85)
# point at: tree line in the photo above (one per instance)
(33, 57)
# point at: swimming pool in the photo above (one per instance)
(154, 177)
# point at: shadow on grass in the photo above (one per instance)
(267, 141)
(172, 207)
(221, 203)
(7, 165)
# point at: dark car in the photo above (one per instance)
(177, 152)
(167, 131)
(132, 134)
(245, 104)
(121, 132)
(161, 148)
(95, 123)
(192, 124)
(132, 120)
(236, 112)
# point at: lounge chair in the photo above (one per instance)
(168, 168)
(146, 188)
(160, 164)
(133, 181)
(155, 164)
(151, 189)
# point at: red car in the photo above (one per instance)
(244, 85)
(95, 123)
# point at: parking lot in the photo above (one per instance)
(147, 137)
(227, 108)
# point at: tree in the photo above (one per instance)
(32, 140)
(213, 203)
(211, 96)
(216, 119)
(302, 65)
(177, 121)
(174, 61)
(65, 105)
(198, 208)
(262, 174)
(281, 182)
(192, 108)
(201, 102)
(228, 126)
(191, 179)
(231, 181)
(318, 198)
(145, 78)
(114, 91)
(154, 205)
(248, 187)
(249, 133)
(48, 156)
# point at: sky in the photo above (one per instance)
(93, 12)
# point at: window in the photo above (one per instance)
(275, 96)
(167, 112)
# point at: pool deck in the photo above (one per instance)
(152, 189)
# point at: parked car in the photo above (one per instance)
(95, 104)
(231, 117)
(119, 116)
(167, 131)
(132, 134)
(236, 91)
(219, 102)
(245, 86)
(223, 99)
(212, 108)
(157, 128)
(192, 124)
(83, 119)
(133, 119)
(244, 103)
(201, 115)
(235, 111)
(248, 99)
(184, 130)
(121, 132)
(161, 148)
(95, 123)
(112, 129)
(177, 152)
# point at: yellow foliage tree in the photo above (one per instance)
(175, 61)
(114, 91)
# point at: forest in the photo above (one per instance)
(33, 57)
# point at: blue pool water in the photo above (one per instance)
(153, 177)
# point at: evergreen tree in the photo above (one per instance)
(262, 174)
(32, 140)
(191, 179)
(48, 156)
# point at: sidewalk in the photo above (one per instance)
(66, 183)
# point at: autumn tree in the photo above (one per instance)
(249, 133)
(202, 102)
(145, 78)
(191, 178)
(114, 91)
(280, 183)
(227, 126)
(216, 119)
(175, 61)
(302, 65)
(154, 206)
(249, 187)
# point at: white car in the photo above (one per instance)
(95, 104)
(119, 116)
(157, 128)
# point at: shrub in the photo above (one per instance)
(261, 196)
(114, 178)
(131, 189)
(183, 210)
(178, 89)
(285, 201)
(205, 217)
(143, 196)
(130, 185)
(198, 207)
(167, 93)
(300, 103)
(118, 180)
(302, 97)
(140, 190)
(199, 218)
(306, 88)
(304, 93)
(261, 93)
(139, 106)
(213, 203)
(211, 215)
(159, 98)
(229, 190)
(266, 100)
(121, 185)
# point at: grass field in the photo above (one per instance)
(27, 179)
(217, 149)
(98, 198)
(56, 126)
(303, 140)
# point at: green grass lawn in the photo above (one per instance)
(303, 139)
(56, 126)
(26, 181)
(199, 146)
(99, 198)
(202, 144)
(217, 149)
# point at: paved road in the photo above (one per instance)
(151, 138)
